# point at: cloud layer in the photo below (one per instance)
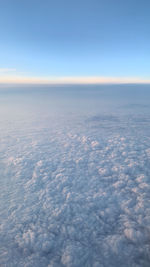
(75, 191)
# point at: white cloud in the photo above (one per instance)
(84, 204)
(7, 70)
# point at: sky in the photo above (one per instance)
(80, 41)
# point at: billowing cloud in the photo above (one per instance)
(75, 190)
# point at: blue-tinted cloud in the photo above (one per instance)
(74, 189)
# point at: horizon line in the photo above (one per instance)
(71, 80)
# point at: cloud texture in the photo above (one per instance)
(75, 191)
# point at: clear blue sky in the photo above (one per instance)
(75, 37)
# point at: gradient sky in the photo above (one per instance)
(75, 38)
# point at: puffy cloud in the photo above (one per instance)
(75, 194)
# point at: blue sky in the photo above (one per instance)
(86, 38)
